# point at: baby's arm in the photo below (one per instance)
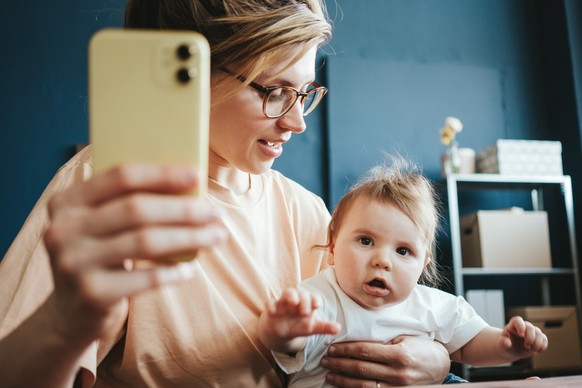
(286, 322)
(518, 339)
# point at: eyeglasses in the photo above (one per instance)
(278, 99)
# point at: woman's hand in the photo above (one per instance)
(405, 361)
(134, 211)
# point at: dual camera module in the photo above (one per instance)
(184, 74)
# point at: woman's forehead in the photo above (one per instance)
(291, 66)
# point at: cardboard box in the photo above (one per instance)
(506, 239)
(560, 324)
(522, 157)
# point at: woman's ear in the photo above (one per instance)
(330, 255)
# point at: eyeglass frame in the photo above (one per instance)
(267, 90)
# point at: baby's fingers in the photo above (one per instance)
(325, 327)
(294, 303)
(288, 302)
(534, 339)
(307, 303)
(516, 326)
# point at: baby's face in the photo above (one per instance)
(378, 254)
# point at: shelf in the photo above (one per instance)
(498, 179)
(518, 371)
(516, 271)
(483, 277)
(535, 184)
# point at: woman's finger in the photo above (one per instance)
(146, 209)
(101, 287)
(153, 243)
(125, 179)
(375, 352)
(350, 362)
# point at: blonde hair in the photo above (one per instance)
(245, 36)
(400, 183)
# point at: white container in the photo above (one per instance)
(522, 157)
(467, 162)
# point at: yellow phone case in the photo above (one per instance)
(149, 99)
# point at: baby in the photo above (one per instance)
(381, 285)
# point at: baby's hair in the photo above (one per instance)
(400, 183)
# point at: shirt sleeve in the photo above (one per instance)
(463, 326)
(25, 272)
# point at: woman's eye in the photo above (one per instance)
(366, 241)
(403, 251)
(277, 94)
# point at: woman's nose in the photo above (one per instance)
(293, 120)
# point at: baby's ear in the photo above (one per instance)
(330, 255)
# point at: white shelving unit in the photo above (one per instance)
(535, 184)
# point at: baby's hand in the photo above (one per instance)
(522, 339)
(292, 315)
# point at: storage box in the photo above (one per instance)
(560, 324)
(506, 239)
(521, 157)
(489, 304)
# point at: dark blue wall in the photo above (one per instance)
(508, 68)
(43, 95)
(511, 62)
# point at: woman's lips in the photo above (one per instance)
(270, 148)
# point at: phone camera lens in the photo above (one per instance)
(183, 75)
(184, 52)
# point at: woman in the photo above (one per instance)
(100, 322)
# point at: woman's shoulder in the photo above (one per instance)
(80, 166)
(296, 198)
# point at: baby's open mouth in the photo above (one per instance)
(377, 288)
(377, 283)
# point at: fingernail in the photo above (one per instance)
(330, 378)
(324, 362)
(220, 234)
(331, 350)
(186, 176)
(186, 270)
(178, 272)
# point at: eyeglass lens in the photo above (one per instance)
(280, 100)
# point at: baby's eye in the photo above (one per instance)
(403, 251)
(366, 241)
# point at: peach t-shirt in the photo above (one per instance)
(202, 332)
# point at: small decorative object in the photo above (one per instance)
(451, 158)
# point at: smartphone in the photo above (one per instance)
(149, 99)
